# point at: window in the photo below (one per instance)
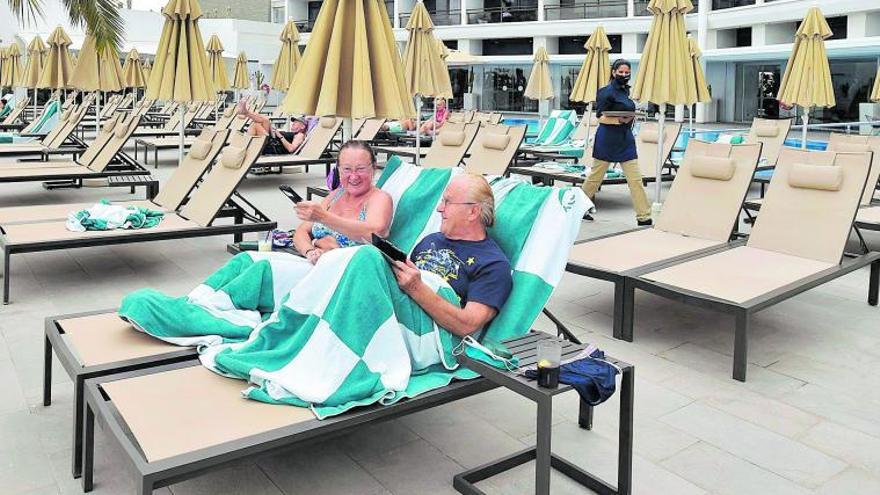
(508, 46)
(574, 45)
(503, 88)
(278, 15)
(838, 27)
(744, 36)
(451, 44)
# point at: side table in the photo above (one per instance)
(525, 349)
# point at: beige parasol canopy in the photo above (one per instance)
(240, 79)
(596, 71)
(96, 72)
(180, 71)
(540, 87)
(217, 65)
(288, 59)
(807, 79)
(133, 72)
(59, 66)
(875, 93)
(34, 65)
(351, 66)
(12, 67)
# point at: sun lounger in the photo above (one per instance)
(368, 130)
(699, 216)
(557, 129)
(39, 125)
(71, 98)
(172, 126)
(212, 199)
(58, 136)
(162, 454)
(796, 244)
(486, 117)
(447, 150)
(772, 134)
(461, 117)
(494, 149)
(315, 150)
(171, 197)
(15, 114)
(573, 148)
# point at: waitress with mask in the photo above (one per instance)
(614, 142)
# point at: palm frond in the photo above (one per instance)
(99, 17)
(26, 11)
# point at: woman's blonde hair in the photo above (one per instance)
(481, 193)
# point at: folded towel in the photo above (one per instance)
(107, 216)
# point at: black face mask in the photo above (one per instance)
(622, 80)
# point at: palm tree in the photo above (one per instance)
(99, 17)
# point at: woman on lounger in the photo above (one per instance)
(279, 142)
(439, 118)
(350, 213)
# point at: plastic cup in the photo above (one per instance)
(549, 359)
(264, 245)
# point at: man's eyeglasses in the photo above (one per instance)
(445, 202)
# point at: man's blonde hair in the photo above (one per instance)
(481, 193)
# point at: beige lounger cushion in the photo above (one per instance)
(110, 124)
(232, 156)
(851, 147)
(739, 274)
(328, 122)
(496, 141)
(184, 410)
(766, 131)
(451, 138)
(631, 250)
(649, 136)
(200, 148)
(229, 111)
(713, 167)
(105, 338)
(820, 177)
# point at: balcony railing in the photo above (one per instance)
(440, 17)
(729, 4)
(502, 14)
(591, 9)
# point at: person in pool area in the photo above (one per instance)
(279, 142)
(465, 256)
(615, 143)
(4, 107)
(440, 115)
(349, 214)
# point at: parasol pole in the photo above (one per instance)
(661, 121)
(418, 128)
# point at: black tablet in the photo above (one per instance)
(389, 250)
(290, 193)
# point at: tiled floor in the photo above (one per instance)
(805, 422)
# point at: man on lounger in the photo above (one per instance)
(465, 256)
(279, 142)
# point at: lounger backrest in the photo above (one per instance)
(224, 177)
(457, 117)
(104, 136)
(857, 143)
(580, 133)
(369, 129)
(811, 203)
(37, 125)
(356, 126)
(557, 129)
(320, 138)
(16, 112)
(201, 154)
(59, 134)
(494, 149)
(647, 142)
(110, 106)
(771, 133)
(450, 146)
(123, 130)
(708, 190)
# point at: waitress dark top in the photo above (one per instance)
(614, 143)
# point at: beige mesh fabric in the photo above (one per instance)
(369, 129)
(105, 338)
(631, 250)
(489, 160)
(810, 223)
(847, 142)
(184, 410)
(124, 130)
(703, 207)
(29, 233)
(646, 145)
(178, 187)
(320, 138)
(772, 134)
(442, 155)
(221, 182)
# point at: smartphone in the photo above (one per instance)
(290, 193)
(389, 250)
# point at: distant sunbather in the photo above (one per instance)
(279, 142)
(349, 214)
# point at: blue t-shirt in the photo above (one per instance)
(476, 270)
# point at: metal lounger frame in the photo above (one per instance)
(549, 178)
(743, 311)
(236, 207)
(97, 405)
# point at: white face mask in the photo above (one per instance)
(478, 351)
